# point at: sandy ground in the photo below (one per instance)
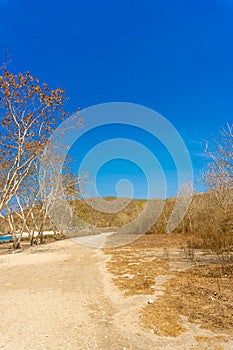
(60, 296)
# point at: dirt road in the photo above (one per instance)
(60, 296)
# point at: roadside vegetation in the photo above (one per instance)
(187, 276)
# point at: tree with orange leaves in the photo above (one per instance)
(29, 112)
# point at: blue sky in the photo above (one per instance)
(172, 56)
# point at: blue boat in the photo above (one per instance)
(6, 238)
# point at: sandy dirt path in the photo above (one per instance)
(60, 296)
(57, 296)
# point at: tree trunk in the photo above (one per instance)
(10, 219)
(41, 231)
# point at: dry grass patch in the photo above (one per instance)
(162, 241)
(200, 294)
(135, 270)
(135, 266)
(162, 318)
(215, 343)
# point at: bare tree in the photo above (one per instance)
(34, 213)
(183, 202)
(219, 174)
(29, 112)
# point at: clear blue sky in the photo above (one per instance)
(173, 56)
